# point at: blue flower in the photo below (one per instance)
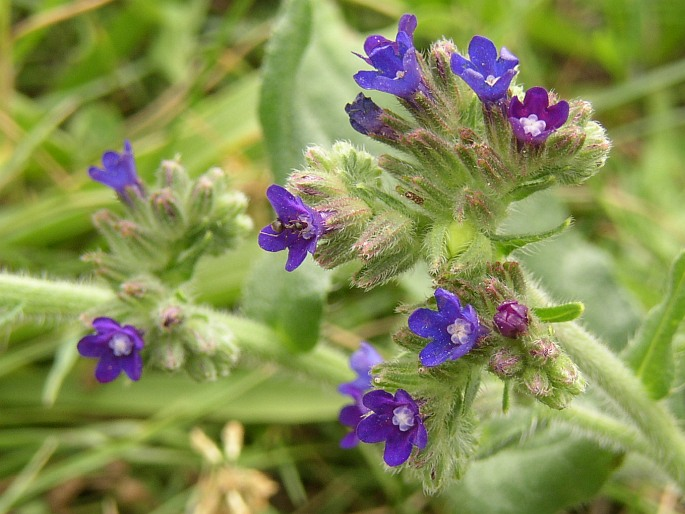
(117, 347)
(361, 362)
(119, 173)
(485, 73)
(453, 329)
(297, 227)
(397, 67)
(365, 118)
(534, 120)
(395, 420)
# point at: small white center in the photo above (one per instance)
(491, 80)
(403, 418)
(459, 331)
(400, 74)
(121, 345)
(308, 231)
(532, 125)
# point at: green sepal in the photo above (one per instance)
(559, 313)
(508, 243)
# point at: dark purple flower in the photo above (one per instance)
(118, 172)
(395, 420)
(534, 119)
(365, 117)
(117, 347)
(397, 68)
(297, 227)
(453, 329)
(361, 362)
(488, 75)
(511, 319)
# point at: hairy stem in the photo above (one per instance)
(608, 372)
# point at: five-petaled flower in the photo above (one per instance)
(453, 329)
(119, 173)
(488, 75)
(117, 347)
(395, 420)
(511, 319)
(361, 362)
(365, 118)
(297, 227)
(533, 120)
(397, 67)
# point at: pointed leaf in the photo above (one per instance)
(560, 313)
(508, 243)
(651, 352)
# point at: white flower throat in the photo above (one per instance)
(532, 125)
(403, 418)
(121, 345)
(459, 331)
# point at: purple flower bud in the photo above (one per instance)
(361, 362)
(117, 347)
(488, 75)
(454, 330)
(119, 173)
(365, 118)
(534, 120)
(395, 420)
(397, 67)
(297, 227)
(511, 319)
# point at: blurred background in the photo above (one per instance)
(185, 77)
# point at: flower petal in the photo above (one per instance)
(350, 415)
(379, 401)
(92, 345)
(283, 202)
(105, 325)
(536, 100)
(132, 365)
(397, 448)
(557, 115)
(296, 255)
(419, 436)
(436, 353)
(349, 441)
(407, 24)
(427, 323)
(483, 54)
(374, 428)
(448, 304)
(108, 368)
(271, 241)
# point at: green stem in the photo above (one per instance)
(43, 296)
(608, 372)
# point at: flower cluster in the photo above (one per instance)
(154, 247)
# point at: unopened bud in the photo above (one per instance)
(537, 383)
(511, 319)
(542, 351)
(506, 363)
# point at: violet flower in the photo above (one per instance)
(397, 67)
(511, 319)
(534, 120)
(119, 172)
(395, 420)
(117, 347)
(488, 75)
(453, 329)
(361, 361)
(365, 118)
(297, 227)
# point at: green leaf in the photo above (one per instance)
(560, 313)
(651, 352)
(307, 82)
(290, 303)
(508, 243)
(548, 473)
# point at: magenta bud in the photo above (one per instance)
(511, 319)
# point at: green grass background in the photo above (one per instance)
(183, 77)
